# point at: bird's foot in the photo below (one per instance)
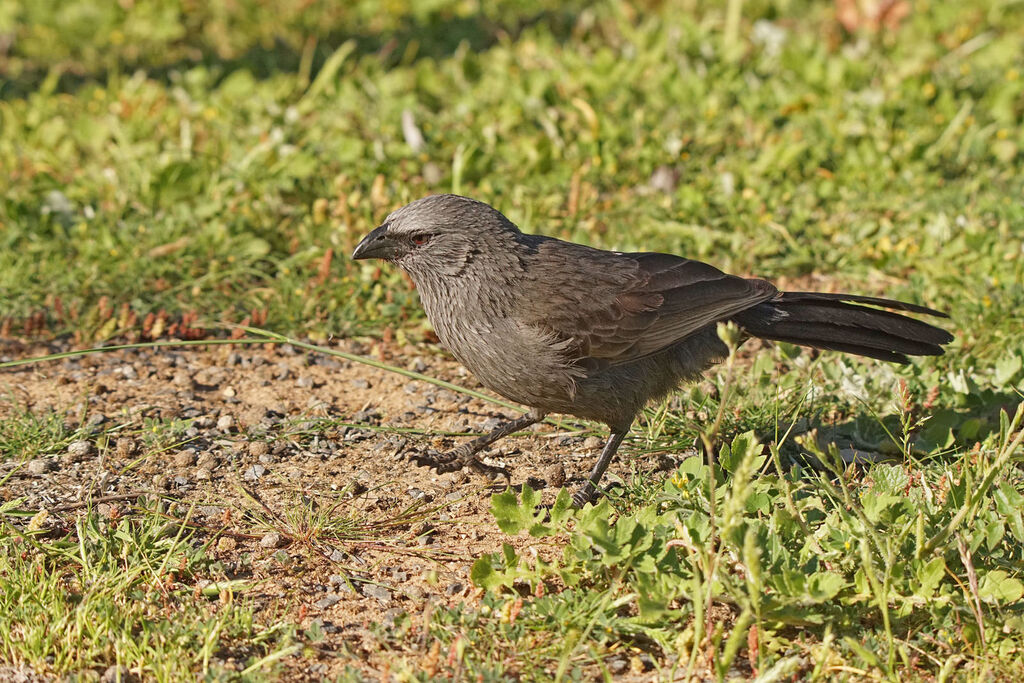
(585, 494)
(457, 458)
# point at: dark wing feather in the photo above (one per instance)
(631, 305)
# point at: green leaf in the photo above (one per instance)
(929, 575)
(824, 586)
(999, 588)
(1006, 369)
(883, 507)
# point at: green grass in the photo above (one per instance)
(217, 162)
(124, 591)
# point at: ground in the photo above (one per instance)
(247, 433)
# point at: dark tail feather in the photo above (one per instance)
(837, 322)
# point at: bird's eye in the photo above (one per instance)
(420, 240)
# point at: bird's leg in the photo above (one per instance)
(457, 458)
(588, 491)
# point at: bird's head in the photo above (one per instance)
(439, 235)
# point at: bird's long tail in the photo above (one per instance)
(841, 322)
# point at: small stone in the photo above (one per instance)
(328, 601)
(184, 458)
(208, 460)
(388, 620)
(226, 543)
(125, 447)
(77, 450)
(180, 481)
(555, 476)
(254, 473)
(379, 593)
(95, 420)
(226, 423)
(369, 416)
(203, 474)
(258, 448)
(41, 466)
(116, 674)
(233, 358)
(272, 540)
(127, 371)
(203, 422)
(304, 382)
(592, 443)
(454, 588)
(360, 384)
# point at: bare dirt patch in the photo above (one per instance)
(262, 439)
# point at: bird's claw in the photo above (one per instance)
(585, 494)
(455, 459)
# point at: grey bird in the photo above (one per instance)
(566, 328)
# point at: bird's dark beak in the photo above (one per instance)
(378, 244)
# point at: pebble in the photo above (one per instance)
(115, 673)
(41, 466)
(254, 473)
(304, 382)
(125, 447)
(78, 450)
(272, 540)
(185, 458)
(258, 448)
(379, 593)
(208, 461)
(388, 620)
(226, 543)
(454, 588)
(555, 476)
(593, 443)
(226, 423)
(328, 601)
(368, 415)
(417, 494)
(360, 384)
(203, 474)
(95, 420)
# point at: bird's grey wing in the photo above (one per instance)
(615, 308)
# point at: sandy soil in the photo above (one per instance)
(264, 430)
